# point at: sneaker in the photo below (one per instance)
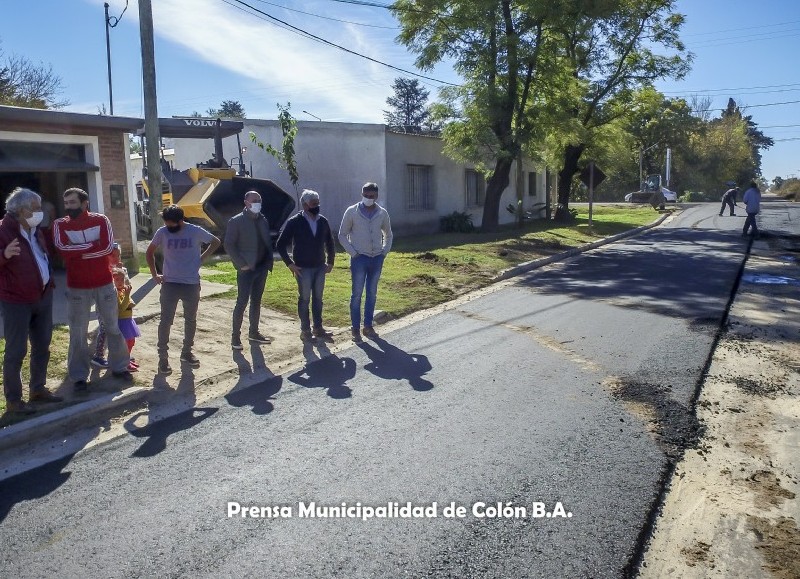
(99, 362)
(306, 336)
(259, 338)
(19, 407)
(44, 395)
(81, 386)
(133, 367)
(190, 359)
(323, 334)
(236, 343)
(356, 335)
(164, 367)
(369, 332)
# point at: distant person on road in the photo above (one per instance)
(85, 241)
(729, 199)
(752, 203)
(366, 235)
(26, 299)
(181, 244)
(312, 255)
(249, 245)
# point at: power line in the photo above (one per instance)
(328, 17)
(321, 40)
(737, 89)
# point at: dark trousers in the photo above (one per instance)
(23, 322)
(729, 203)
(171, 294)
(751, 220)
(250, 285)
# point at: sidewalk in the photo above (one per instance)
(732, 508)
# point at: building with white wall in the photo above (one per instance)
(418, 183)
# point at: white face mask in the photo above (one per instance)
(367, 201)
(35, 219)
(255, 207)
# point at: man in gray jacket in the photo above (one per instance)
(248, 243)
(366, 235)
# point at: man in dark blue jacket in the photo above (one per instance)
(312, 256)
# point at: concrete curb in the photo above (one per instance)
(537, 263)
(41, 427)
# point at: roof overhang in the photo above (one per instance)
(69, 120)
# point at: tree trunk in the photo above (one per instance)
(494, 190)
(572, 155)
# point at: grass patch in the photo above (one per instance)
(427, 270)
(56, 369)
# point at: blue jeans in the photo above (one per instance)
(365, 271)
(310, 286)
(250, 285)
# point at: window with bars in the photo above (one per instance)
(474, 188)
(419, 192)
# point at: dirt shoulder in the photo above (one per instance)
(732, 508)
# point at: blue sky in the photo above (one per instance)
(208, 51)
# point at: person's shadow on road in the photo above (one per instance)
(257, 384)
(156, 433)
(392, 363)
(258, 395)
(330, 372)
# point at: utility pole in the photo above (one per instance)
(108, 60)
(151, 130)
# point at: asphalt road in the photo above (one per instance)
(572, 386)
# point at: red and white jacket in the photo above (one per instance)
(85, 244)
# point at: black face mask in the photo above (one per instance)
(314, 210)
(173, 229)
(73, 213)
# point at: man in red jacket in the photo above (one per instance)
(85, 241)
(26, 299)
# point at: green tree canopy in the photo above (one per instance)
(408, 104)
(228, 110)
(611, 55)
(507, 54)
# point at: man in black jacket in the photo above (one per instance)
(311, 239)
(248, 243)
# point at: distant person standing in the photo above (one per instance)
(181, 243)
(249, 245)
(312, 255)
(366, 235)
(85, 241)
(729, 199)
(752, 203)
(26, 299)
